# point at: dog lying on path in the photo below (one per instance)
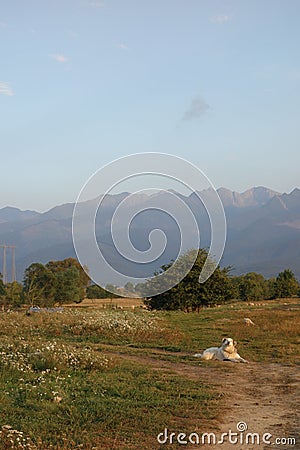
(227, 352)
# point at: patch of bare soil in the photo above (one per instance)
(263, 398)
(266, 398)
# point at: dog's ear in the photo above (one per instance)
(235, 343)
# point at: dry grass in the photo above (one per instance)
(106, 303)
(89, 325)
(59, 391)
(273, 338)
(73, 355)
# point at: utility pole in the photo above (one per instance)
(4, 265)
(13, 263)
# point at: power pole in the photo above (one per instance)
(13, 263)
(4, 265)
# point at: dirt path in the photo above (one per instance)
(265, 397)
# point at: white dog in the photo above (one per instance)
(227, 352)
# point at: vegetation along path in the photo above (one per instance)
(108, 379)
(264, 397)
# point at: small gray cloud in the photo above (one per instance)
(123, 47)
(5, 89)
(220, 19)
(197, 108)
(58, 57)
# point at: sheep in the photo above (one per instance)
(248, 322)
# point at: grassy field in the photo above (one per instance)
(79, 379)
(108, 303)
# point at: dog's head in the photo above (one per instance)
(228, 344)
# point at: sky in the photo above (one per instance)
(83, 82)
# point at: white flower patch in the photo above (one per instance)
(117, 323)
(50, 356)
(15, 439)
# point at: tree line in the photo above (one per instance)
(59, 282)
(190, 295)
(55, 283)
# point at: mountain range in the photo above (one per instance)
(263, 230)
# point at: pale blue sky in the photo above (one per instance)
(83, 82)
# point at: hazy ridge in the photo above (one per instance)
(263, 230)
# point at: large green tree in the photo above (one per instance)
(39, 285)
(14, 294)
(71, 280)
(252, 286)
(189, 294)
(57, 282)
(68, 286)
(286, 284)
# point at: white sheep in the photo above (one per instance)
(248, 321)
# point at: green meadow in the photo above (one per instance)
(99, 379)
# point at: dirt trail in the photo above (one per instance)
(265, 397)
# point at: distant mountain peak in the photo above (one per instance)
(263, 227)
(256, 196)
(13, 214)
(295, 192)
